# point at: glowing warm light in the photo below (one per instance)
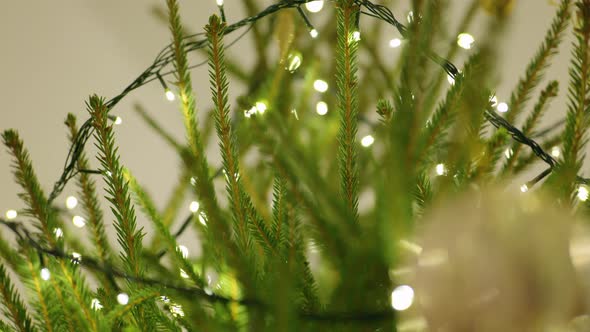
(220, 3)
(440, 169)
(58, 233)
(11, 214)
(45, 274)
(202, 219)
(78, 221)
(313, 33)
(261, 107)
(465, 41)
(583, 193)
(170, 95)
(356, 36)
(183, 250)
(123, 298)
(502, 107)
(294, 62)
(314, 6)
(118, 120)
(556, 151)
(402, 298)
(508, 153)
(321, 108)
(165, 299)
(451, 79)
(320, 86)
(76, 257)
(193, 181)
(524, 188)
(71, 202)
(395, 43)
(95, 304)
(367, 141)
(410, 16)
(194, 206)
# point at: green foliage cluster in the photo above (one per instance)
(313, 227)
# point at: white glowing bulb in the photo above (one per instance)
(395, 43)
(95, 304)
(176, 310)
(193, 181)
(451, 80)
(76, 258)
(440, 169)
(321, 108)
(261, 107)
(78, 221)
(58, 233)
(556, 151)
(583, 193)
(465, 40)
(494, 101)
(71, 202)
(123, 298)
(165, 299)
(220, 3)
(314, 6)
(356, 36)
(170, 95)
(402, 298)
(183, 250)
(11, 214)
(524, 188)
(502, 107)
(508, 153)
(320, 86)
(367, 141)
(313, 33)
(294, 60)
(118, 120)
(183, 274)
(410, 16)
(45, 274)
(194, 206)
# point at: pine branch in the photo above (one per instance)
(14, 307)
(532, 121)
(347, 94)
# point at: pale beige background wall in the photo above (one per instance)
(55, 53)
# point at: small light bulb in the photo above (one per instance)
(313, 33)
(170, 95)
(71, 202)
(294, 62)
(202, 219)
(194, 206)
(78, 221)
(95, 304)
(321, 108)
(410, 17)
(193, 181)
(583, 193)
(58, 233)
(118, 120)
(183, 250)
(320, 86)
(556, 152)
(451, 80)
(367, 141)
(395, 43)
(183, 274)
(440, 169)
(123, 298)
(524, 188)
(502, 107)
(508, 153)
(314, 6)
(356, 36)
(465, 40)
(76, 258)
(220, 3)
(261, 107)
(494, 101)
(45, 274)
(402, 298)
(176, 310)
(11, 214)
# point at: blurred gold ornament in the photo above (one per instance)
(493, 262)
(499, 8)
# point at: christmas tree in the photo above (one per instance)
(305, 224)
